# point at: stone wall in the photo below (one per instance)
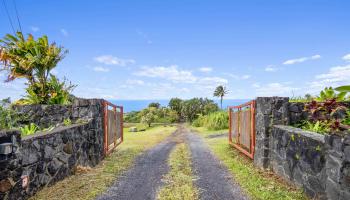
(319, 164)
(338, 167)
(269, 111)
(51, 115)
(299, 157)
(44, 115)
(45, 158)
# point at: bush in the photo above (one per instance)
(213, 121)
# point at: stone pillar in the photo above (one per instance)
(338, 167)
(269, 111)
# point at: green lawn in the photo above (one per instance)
(87, 183)
(258, 184)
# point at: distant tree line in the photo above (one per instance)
(178, 110)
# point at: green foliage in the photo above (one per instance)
(29, 129)
(154, 105)
(321, 127)
(176, 105)
(345, 88)
(9, 118)
(33, 60)
(220, 92)
(329, 93)
(212, 121)
(132, 117)
(148, 118)
(192, 108)
(67, 122)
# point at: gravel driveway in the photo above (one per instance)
(144, 179)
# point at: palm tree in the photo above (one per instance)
(220, 91)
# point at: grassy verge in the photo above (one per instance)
(179, 181)
(258, 184)
(88, 183)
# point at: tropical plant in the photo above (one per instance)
(220, 92)
(29, 129)
(318, 126)
(33, 59)
(212, 121)
(344, 88)
(67, 122)
(329, 93)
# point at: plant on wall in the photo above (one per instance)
(34, 60)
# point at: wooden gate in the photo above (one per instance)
(113, 126)
(242, 128)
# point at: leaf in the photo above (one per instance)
(345, 88)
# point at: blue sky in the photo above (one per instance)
(160, 49)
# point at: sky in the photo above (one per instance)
(158, 49)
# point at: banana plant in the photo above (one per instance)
(329, 93)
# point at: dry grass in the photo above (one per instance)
(179, 181)
(90, 182)
(258, 184)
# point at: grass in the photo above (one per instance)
(179, 181)
(87, 183)
(258, 184)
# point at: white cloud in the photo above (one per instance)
(212, 80)
(274, 89)
(336, 76)
(64, 32)
(271, 68)
(172, 73)
(34, 29)
(239, 77)
(347, 57)
(135, 82)
(111, 60)
(206, 69)
(300, 60)
(101, 69)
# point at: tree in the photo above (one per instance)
(154, 105)
(31, 59)
(148, 115)
(191, 109)
(220, 91)
(176, 105)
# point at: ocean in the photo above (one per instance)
(136, 105)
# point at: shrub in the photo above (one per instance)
(34, 60)
(213, 121)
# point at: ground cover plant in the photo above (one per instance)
(258, 184)
(87, 183)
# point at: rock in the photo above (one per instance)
(6, 185)
(68, 148)
(133, 129)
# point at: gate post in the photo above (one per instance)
(269, 111)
